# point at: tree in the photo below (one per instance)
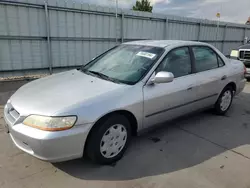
(143, 5)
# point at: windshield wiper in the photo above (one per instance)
(100, 75)
(103, 76)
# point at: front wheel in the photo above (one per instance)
(224, 101)
(109, 139)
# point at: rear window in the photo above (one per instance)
(206, 59)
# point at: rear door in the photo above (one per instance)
(211, 74)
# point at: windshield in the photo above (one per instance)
(125, 63)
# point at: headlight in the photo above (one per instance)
(234, 53)
(50, 123)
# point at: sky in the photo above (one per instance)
(231, 10)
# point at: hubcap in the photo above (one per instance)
(225, 100)
(113, 140)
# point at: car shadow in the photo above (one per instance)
(174, 145)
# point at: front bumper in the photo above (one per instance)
(50, 146)
(247, 65)
(247, 75)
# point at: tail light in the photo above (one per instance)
(245, 70)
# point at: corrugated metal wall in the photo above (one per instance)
(74, 33)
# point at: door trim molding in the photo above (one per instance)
(178, 106)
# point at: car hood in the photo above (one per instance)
(47, 96)
(245, 46)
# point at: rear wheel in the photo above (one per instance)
(109, 139)
(224, 101)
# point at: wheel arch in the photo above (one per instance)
(231, 84)
(217, 106)
(129, 115)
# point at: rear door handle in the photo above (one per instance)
(190, 88)
(224, 77)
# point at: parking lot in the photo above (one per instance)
(202, 150)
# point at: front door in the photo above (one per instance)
(169, 100)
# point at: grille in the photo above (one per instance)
(244, 54)
(11, 114)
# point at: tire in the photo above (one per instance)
(105, 135)
(221, 109)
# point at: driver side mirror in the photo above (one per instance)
(162, 77)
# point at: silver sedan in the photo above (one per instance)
(96, 109)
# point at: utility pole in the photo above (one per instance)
(116, 21)
(116, 18)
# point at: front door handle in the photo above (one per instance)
(190, 88)
(224, 77)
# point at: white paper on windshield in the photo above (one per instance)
(146, 54)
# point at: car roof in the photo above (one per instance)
(164, 43)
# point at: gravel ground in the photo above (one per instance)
(202, 150)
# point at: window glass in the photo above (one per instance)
(177, 61)
(205, 59)
(125, 63)
(220, 62)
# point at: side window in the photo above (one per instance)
(177, 61)
(220, 62)
(205, 58)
